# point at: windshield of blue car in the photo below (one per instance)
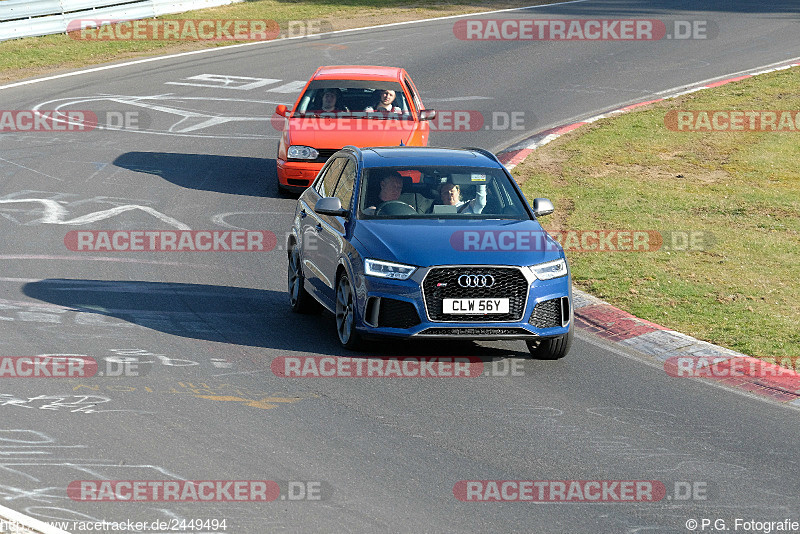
(354, 99)
(439, 192)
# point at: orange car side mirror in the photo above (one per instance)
(427, 114)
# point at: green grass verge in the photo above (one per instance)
(34, 56)
(631, 172)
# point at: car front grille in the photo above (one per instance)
(442, 282)
(550, 313)
(324, 155)
(395, 313)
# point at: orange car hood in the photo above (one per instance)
(334, 133)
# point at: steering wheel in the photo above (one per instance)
(395, 207)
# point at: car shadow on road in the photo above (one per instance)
(226, 314)
(236, 175)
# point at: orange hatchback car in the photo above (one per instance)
(347, 105)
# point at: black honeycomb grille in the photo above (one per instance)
(397, 314)
(546, 314)
(442, 283)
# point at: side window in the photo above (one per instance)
(413, 93)
(344, 189)
(332, 172)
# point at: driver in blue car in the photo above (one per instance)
(391, 189)
(450, 194)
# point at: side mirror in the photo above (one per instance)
(330, 206)
(427, 114)
(542, 207)
(281, 110)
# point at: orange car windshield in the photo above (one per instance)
(354, 99)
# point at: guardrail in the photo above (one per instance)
(27, 18)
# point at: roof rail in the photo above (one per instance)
(357, 151)
(483, 151)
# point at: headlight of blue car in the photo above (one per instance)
(550, 269)
(387, 269)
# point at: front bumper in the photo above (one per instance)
(296, 174)
(408, 315)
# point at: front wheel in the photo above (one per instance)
(346, 314)
(552, 348)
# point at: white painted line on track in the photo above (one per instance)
(633, 355)
(34, 524)
(55, 213)
(52, 257)
(534, 141)
(217, 49)
(668, 93)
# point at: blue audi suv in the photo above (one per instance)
(412, 242)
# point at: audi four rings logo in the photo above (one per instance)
(476, 280)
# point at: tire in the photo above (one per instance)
(299, 299)
(552, 348)
(346, 315)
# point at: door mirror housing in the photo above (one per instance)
(542, 207)
(330, 206)
(427, 114)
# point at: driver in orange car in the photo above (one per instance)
(330, 101)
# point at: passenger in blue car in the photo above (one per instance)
(450, 195)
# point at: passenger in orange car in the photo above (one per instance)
(385, 99)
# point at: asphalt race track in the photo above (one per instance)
(202, 328)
